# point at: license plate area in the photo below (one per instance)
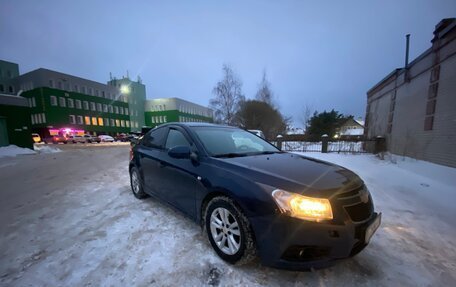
(370, 230)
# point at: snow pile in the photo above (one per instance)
(46, 149)
(13, 150)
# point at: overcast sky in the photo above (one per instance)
(325, 54)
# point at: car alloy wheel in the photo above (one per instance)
(225, 231)
(136, 185)
(229, 231)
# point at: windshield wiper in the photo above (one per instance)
(231, 154)
(269, 152)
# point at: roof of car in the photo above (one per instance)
(198, 124)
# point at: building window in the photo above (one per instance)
(100, 121)
(117, 123)
(53, 100)
(428, 123)
(87, 120)
(152, 119)
(32, 119)
(105, 108)
(99, 107)
(97, 93)
(122, 123)
(92, 106)
(76, 89)
(70, 103)
(103, 94)
(106, 122)
(112, 122)
(62, 102)
(11, 89)
(43, 118)
(165, 119)
(51, 83)
(72, 119)
(86, 105)
(83, 90)
(80, 120)
(127, 124)
(78, 104)
(116, 109)
(89, 91)
(126, 111)
(110, 109)
(121, 110)
(94, 121)
(59, 85)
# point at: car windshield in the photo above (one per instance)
(232, 142)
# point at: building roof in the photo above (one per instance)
(13, 100)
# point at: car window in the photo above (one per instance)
(222, 141)
(176, 138)
(154, 138)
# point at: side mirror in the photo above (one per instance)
(179, 152)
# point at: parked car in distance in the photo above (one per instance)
(292, 211)
(91, 139)
(121, 137)
(55, 139)
(76, 139)
(258, 133)
(105, 138)
(36, 138)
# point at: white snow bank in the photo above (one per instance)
(46, 149)
(13, 150)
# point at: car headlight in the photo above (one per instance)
(303, 207)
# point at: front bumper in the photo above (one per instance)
(290, 243)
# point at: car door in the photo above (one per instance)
(179, 181)
(148, 151)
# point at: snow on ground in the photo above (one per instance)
(13, 150)
(72, 221)
(45, 148)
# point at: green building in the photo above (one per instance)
(158, 111)
(63, 103)
(60, 101)
(135, 93)
(15, 125)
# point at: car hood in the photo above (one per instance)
(294, 173)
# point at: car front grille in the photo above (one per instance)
(357, 203)
(305, 253)
(360, 211)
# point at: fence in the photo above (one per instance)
(358, 145)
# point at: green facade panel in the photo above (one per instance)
(59, 117)
(16, 119)
(173, 116)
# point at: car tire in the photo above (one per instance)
(236, 245)
(136, 184)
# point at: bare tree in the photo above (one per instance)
(228, 96)
(305, 116)
(264, 93)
